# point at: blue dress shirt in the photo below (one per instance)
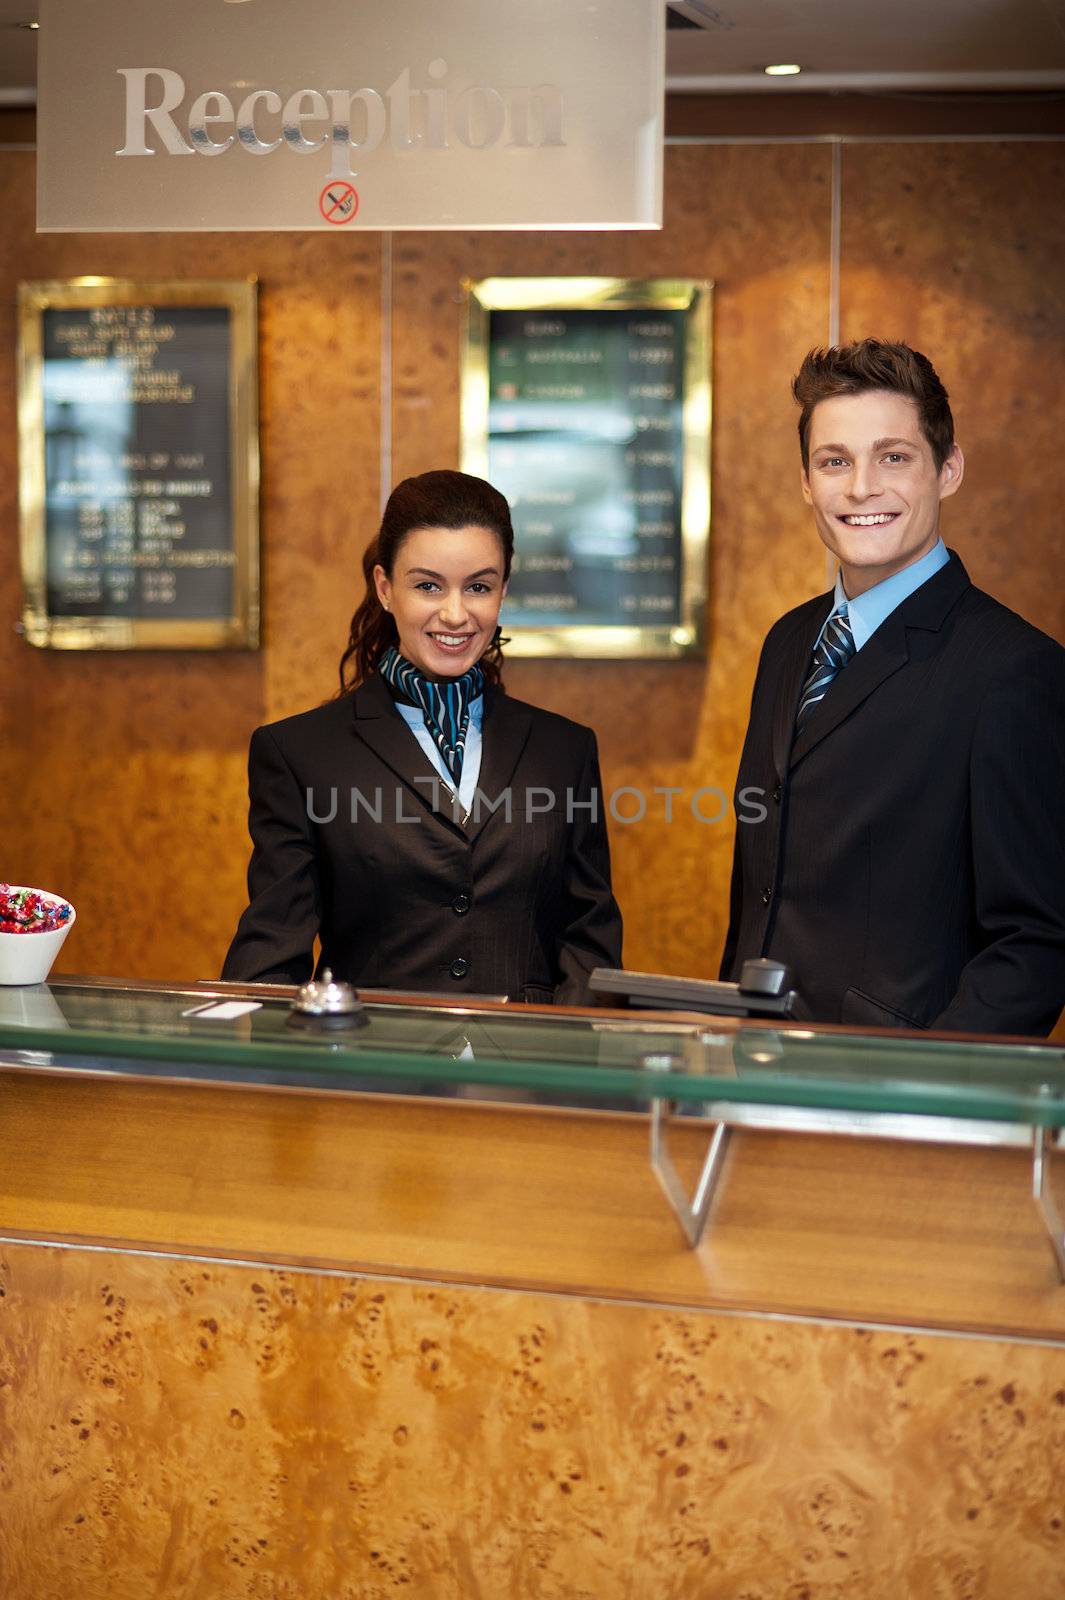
(867, 611)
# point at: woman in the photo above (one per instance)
(433, 833)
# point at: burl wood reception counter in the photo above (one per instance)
(409, 1310)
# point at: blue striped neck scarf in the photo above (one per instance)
(444, 705)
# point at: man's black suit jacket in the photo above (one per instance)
(355, 841)
(910, 863)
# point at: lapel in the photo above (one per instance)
(379, 725)
(793, 672)
(504, 732)
(880, 657)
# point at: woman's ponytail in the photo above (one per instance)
(373, 628)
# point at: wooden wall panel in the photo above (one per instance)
(199, 1431)
(958, 249)
(126, 785)
(756, 220)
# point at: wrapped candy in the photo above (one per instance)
(26, 911)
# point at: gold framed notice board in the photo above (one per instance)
(139, 464)
(587, 402)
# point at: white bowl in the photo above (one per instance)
(28, 957)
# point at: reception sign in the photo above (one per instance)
(338, 116)
(138, 464)
(587, 402)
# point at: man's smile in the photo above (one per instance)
(874, 519)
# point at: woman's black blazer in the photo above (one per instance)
(356, 840)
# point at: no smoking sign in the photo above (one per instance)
(338, 202)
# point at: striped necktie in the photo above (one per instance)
(834, 650)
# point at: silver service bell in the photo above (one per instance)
(324, 1003)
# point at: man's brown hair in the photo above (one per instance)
(870, 364)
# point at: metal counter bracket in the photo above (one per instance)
(691, 1214)
(1044, 1199)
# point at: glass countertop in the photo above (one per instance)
(595, 1058)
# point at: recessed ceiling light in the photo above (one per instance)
(788, 70)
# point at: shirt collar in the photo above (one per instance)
(867, 611)
(413, 714)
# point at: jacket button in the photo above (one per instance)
(461, 904)
(777, 792)
(459, 967)
(767, 895)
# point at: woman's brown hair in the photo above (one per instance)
(431, 500)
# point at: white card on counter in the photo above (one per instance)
(225, 1010)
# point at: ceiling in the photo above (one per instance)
(870, 44)
(840, 44)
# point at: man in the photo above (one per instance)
(908, 735)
